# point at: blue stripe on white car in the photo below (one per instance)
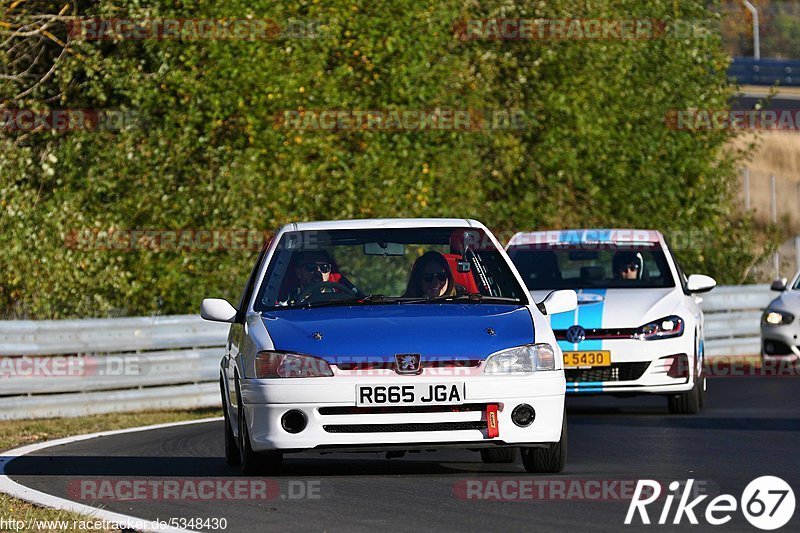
(588, 315)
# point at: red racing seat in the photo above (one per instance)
(465, 279)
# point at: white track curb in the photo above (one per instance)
(12, 488)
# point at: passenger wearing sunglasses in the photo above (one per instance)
(628, 265)
(431, 277)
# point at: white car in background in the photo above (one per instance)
(638, 327)
(780, 323)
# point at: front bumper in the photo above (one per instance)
(636, 367)
(326, 403)
(780, 343)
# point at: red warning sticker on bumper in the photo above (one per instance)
(491, 421)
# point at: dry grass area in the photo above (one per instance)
(778, 154)
(15, 433)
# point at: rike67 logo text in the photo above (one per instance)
(767, 502)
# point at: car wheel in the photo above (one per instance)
(498, 455)
(687, 403)
(231, 448)
(550, 460)
(251, 462)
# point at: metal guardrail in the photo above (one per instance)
(54, 368)
(733, 319)
(749, 71)
(91, 366)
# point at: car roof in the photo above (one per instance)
(587, 235)
(373, 223)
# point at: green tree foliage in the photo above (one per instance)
(207, 153)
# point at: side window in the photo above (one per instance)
(251, 281)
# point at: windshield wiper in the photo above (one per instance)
(368, 299)
(473, 297)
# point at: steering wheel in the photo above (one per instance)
(310, 293)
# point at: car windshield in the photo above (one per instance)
(576, 267)
(387, 266)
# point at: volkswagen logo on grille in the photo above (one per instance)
(576, 334)
(407, 363)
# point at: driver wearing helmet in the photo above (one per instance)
(628, 265)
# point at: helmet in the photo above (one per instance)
(626, 258)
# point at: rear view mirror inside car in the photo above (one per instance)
(583, 255)
(384, 248)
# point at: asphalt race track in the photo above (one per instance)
(749, 428)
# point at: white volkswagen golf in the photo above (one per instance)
(638, 327)
(390, 335)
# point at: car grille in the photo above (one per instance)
(383, 410)
(403, 428)
(615, 372)
(598, 333)
(391, 365)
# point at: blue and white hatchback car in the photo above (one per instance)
(390, 335)
(638, 327)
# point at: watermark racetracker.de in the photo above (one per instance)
(192, 29)
(192, 489)
(65, 120)
(166, 240)
(459, 120)
(72, 366)
(583, 29)
(733, 119)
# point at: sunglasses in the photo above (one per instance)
(428, 278)
(313, 267)
(632, 266)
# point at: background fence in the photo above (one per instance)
(749, 71)
(78, 367)
(81, 367)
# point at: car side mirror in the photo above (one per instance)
(560, 302)
(217, 310)
(778, 285)
(700, 283)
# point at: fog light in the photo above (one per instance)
(294, 421)
(523, 415)
(678, 366)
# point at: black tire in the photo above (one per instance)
(550, 460)
(687, 403)
(231, 447)
(250, 462)
(498, 455)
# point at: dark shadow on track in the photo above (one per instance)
(294, 465)
(694, 422)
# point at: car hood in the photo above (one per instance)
(616, 308)
(378, 332)
(788, 300)
(612, 309)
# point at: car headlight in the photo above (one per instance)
(290, 365)
(663, 328)
(521, 360)
(777, 318)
